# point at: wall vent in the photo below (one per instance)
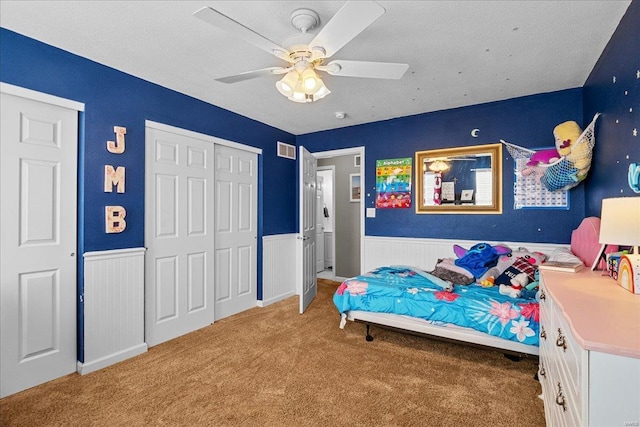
(286, 150)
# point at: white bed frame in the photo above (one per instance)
(450, 332)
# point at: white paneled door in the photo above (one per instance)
(179, 266)
(236, 177)
(307, 247)
(38, 192)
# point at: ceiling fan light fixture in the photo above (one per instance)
(286, 86)
(322, 91)
(298, 94)
(310, 81)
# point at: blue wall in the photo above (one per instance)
(527, 121)
(113, 98)
(619, 102)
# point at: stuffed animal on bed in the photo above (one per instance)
(505, 261)
(479, 258)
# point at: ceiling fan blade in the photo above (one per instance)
(373, 70)
(350, 21)
(252, 74)
(223, 22)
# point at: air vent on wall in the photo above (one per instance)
(286, 150)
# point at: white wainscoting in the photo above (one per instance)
(278, 268)
(424, 253)
(113, 307)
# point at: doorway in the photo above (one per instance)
(325, 218)
(345, 237)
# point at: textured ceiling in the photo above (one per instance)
(459, 52)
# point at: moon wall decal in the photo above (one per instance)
(474, 132)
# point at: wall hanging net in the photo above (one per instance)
(569, 169)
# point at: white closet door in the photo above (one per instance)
(236, 177)
(38, 163)
(179, 267)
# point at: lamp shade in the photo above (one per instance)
(620, 221)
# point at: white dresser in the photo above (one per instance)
(589, 350)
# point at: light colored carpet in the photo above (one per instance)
(274, 367)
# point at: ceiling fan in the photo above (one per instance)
(301, 82)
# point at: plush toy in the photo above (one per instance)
(505, 261)
(544, 157)
(479, 258)
(580, 156)
(520, 265)
(518, 284)
(539, 161)
(566, 134)
(560, 176)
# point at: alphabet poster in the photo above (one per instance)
(393, 183)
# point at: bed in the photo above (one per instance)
(406, 298)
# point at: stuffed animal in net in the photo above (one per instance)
(575, 148)
(479, 258)
(505, 261)
(539, 162)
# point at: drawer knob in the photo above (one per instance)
(543, 333)
(560, 400)
(542, 372)
(560, 342)
(542, 295)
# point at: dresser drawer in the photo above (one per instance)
(569, 355)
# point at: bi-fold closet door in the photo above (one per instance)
(200, 231)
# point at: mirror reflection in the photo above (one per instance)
(459, 180)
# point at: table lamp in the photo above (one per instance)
(620, 225)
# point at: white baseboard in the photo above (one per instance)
(95, 365)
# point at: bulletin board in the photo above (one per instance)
(530, 193)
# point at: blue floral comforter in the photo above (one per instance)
(412, 292)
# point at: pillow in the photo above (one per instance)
(584, 241)
(563, 255)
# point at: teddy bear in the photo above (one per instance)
(505, 261)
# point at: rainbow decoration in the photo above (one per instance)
(629, 273)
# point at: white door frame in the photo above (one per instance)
(332, 216)
(346, 152)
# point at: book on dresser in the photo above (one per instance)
(570, 267)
